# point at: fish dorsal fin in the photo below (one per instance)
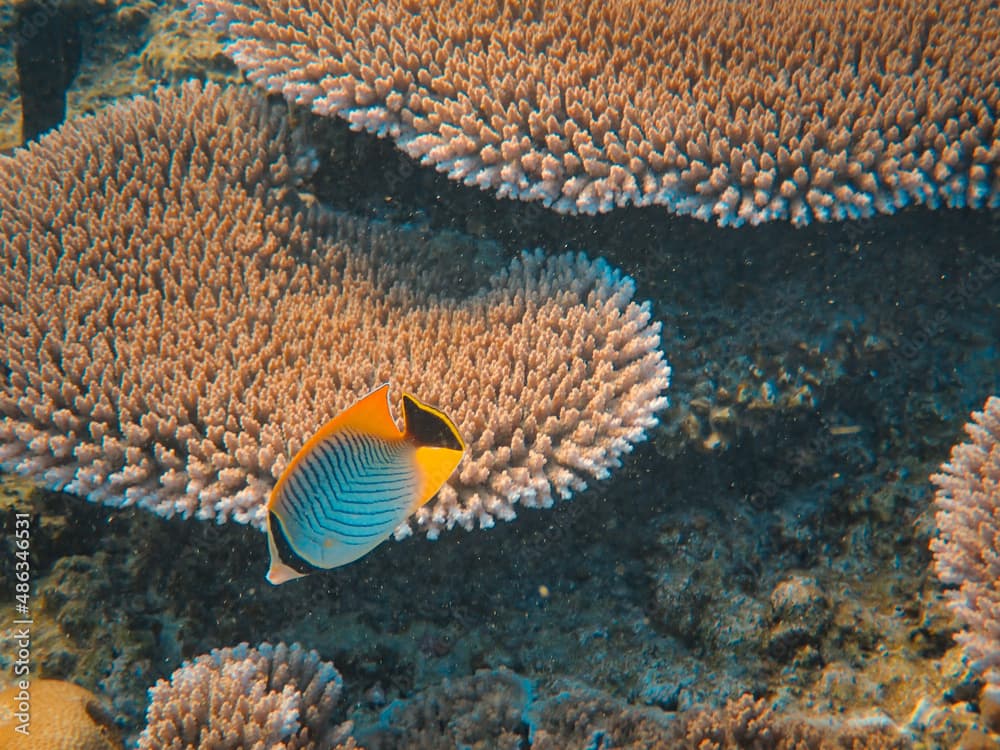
(428, 427)
(369, 416)
(439, 446)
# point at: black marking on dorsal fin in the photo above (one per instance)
(427, 426)
(285, 552)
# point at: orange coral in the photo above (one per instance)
(741, 112)
(174, 330)
(63, 716)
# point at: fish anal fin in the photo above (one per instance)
(436, 465)
(439, 447)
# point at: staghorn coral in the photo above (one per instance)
(967, 546)
(174, 329)
(62, 716)
(743, 112)
(265, 698)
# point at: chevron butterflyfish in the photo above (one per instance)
(355, 481)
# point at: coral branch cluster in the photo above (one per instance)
(176, 325)
(967, 547)
(735, 112)
(265, 698)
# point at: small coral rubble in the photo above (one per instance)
(498, 709)
(748, 724)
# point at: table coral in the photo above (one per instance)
(808, 111)
(177, 328)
